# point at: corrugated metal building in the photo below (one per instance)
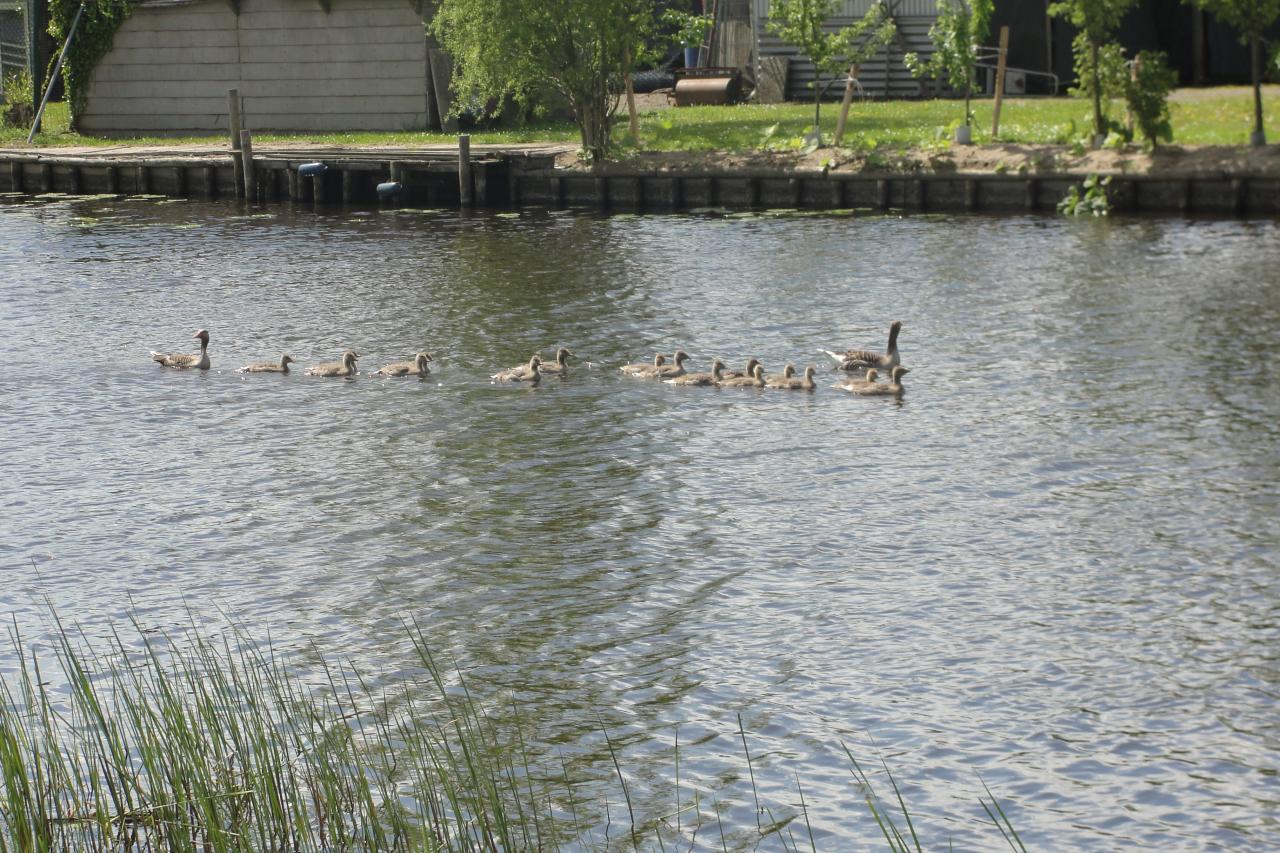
(300, 65)
(13, 38)
(885, 76)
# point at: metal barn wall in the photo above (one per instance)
(360, 65)
(885, 76)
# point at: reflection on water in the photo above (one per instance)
(1052, 565)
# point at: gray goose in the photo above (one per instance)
(521, 372)
(346, 367)
(281, 366)
(755, 380)
(869, 387)
(788, 381)
(183, 360)
(560, 367)
(862, 359)
(779, 381)
(671, 371)
(712, 378)
(417, 367)
(749, 373)
(646, 371)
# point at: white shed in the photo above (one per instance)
(300, 65)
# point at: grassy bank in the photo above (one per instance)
(192, 744)
(1200, 117)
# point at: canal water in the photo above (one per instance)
(1053, 567)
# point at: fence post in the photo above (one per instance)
(1000, 64)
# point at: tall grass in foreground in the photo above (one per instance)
(218, 745)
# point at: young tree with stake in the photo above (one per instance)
(1250, 18)
(800, 22)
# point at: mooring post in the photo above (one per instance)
(208, 182)
(113, 180)
(466, 189)
(292, 176)
(246, 157)
(1000, 64)
(74, 182)
(233, 123)
(348, 186)
(15, 176)
(141, 180)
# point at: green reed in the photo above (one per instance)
(212, 745)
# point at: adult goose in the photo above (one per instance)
(281, 366)
(789, 382)
(869, 387)
(644, 370)
(672, 371)
(862, 359)
(417, 367)
(521, 372)
(560, 367)
(712, 378)
(346, 367)
(755, 380)
(183, 360)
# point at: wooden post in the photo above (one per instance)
(233, 123)
(1000, 65)
(1134, 70)
(1031, 194)
(46, 178)
(677, 192)
(846, 103)
(209, 182)
(179, 181)
(882, 194)
(348, 186)
(113, 180)
(246, 157)
(15, 177)
(970, 195)
(631, 99)
(292, 175)
(74, 182)
(466, 189)
(141, 181)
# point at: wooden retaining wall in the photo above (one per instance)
(512, 180)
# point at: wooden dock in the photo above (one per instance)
(527, 175)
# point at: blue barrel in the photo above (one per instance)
(389, 189)
(310, 170)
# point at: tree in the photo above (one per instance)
(1250, 18)
(800, 22)
(957, 33)
(1147, 94)
(514, 48)
(1096, 20)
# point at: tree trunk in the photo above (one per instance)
(1097, 89)
(1255, 67)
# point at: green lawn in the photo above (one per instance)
(1200, 117)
